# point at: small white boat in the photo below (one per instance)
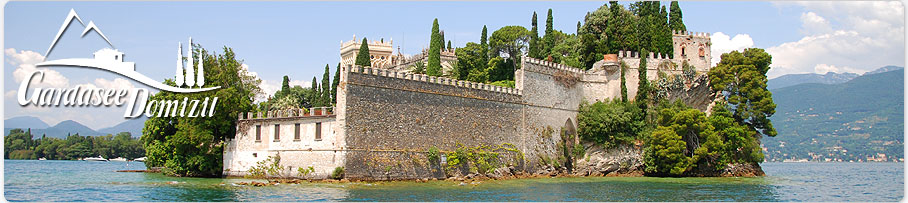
(99, 158)
(119, 159)
(140, 159)
(42, 159)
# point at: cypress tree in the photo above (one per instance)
(534, 39)
(334, 84)
(675, 17)
(623, 82)
(578, 28)
(449, 45)
(313, 93)
(642, 80)
(434, 66)
(326, 87)
(549, 37)
(484, 43)
(285, 85)
(362, 57)
(441, 40)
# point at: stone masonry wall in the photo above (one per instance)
(393, 118)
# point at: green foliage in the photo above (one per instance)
(334, 84)
(470, 57)
(362, 57)
(503, 83)
(313, 92)
(326, 88)
(643, 88)
(534, 49)
(610, 123)
(304, 172)
(193, 147)
(418, 68)
(481, 159)
(268, 168)
(285, 85)
(19, 144)
(508, 42)
(435, 46)
(432, 154)
(549, 38)
(623, 82)
(338, 173)
(449, 45)
(664, 153)
(484, 43)
(741, 78)
(823, 119)
(675, 21)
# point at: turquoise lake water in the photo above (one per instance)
(31, 180)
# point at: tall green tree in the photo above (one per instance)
(469, 58)
(675, 17)
(534, 49)
(484, 42)
(549, 35)
(191, 146)
(434, 66)
(642, 81)
(326, 87)
(741, 78)
(334, 84)
(441, 40)
(314, 93)
(509, 42)
(285, 85)
(362, 57)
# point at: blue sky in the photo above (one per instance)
(299, 38)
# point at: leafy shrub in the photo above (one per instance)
(270, 167)
(610, 123)
(432, 154)
(338, 173)
(303, 172)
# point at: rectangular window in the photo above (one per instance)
(318, 131)
(296, 132)
(277, 132)
(258, 133)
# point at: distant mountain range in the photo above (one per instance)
(62, 129)
(828, 78)
(856, 120)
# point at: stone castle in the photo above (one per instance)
(386, 119)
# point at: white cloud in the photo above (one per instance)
(814, 24)
(116, 83)
(843, 37)
(25, 61)
(269, 87)
(722, 43)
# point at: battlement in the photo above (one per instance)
(690, 34)
(548, 67)
(288, 113)
(377, 43)
(636, 55)
(431, 79)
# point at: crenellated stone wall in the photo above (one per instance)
(385, 120)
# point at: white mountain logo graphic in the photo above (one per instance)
(112, 60)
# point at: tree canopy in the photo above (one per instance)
(741, 78)
(191, 146)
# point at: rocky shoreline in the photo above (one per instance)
(620, 161)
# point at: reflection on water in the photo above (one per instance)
(97, 181)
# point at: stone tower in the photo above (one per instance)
(693, 48)
(379, 51)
